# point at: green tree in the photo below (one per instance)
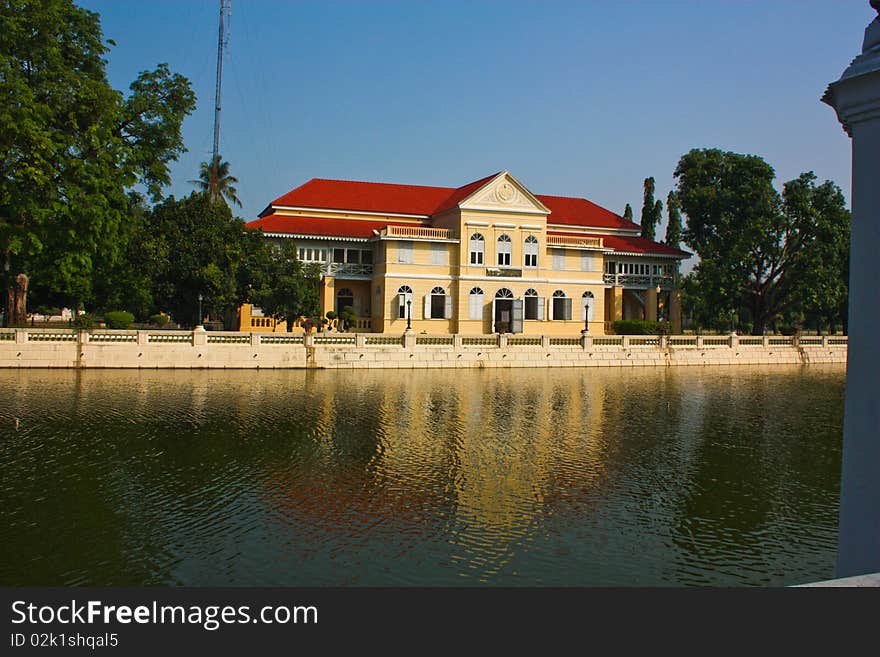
(822, 272)
(71, 146)
(216, 181)
(288, 288)
(650, 215)
(628, 213)
(757, 249)
(199, 249)
(673, 224)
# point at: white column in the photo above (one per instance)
(856, 98)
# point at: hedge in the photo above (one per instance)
(641, 327)
(118, 319)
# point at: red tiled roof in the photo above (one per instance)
(365, 197)
(420, 200)
(275, 223)
(569, 211)
(641, 245)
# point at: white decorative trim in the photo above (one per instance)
(339, 211)
(476, 223)
(394, 238)
(498, 224)
(588, 230)
(530, 226)
(333, 238)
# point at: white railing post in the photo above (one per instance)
(824, 341)
(360, 340)
(545, 341)
(255, 339)
(21, 336)
(734, 340)
(143, 337)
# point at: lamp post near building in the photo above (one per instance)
(856, 99)
(409, 315)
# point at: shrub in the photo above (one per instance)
(159, 319)
(641, 327)
(331, 315)
(118, 319)
(85, 321)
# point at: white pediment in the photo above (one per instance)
(504, 193)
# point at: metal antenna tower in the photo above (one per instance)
(222, 45)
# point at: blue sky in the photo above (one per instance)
(574, 98)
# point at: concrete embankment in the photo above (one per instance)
(23, 348)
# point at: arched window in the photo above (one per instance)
(475, 303)
(404, 294)
(438, 305)
(505, 247)
(588, 303)
(533, 305)
(504, 293)
(530, 251)
(560, 308)
(478, 246)
(344, 299)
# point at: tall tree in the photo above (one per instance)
(289, 288)
(70, 146)
(673, 224)
(649, 209)
(628, 213)
(200, 249)
(216, 181)
(757, 249)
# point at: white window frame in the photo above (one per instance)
(438, 291)
(438, 254)
(405, 251)
(477, 249)
(558, 259)
(566, 306)
(504, 250)
(530, 252)
(404, 294)
(476, 303)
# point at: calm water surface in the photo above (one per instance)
(689, 476)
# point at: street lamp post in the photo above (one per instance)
(200, 308)
(409, 314)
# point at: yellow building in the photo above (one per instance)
(483, 258)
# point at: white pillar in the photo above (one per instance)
(856, 98)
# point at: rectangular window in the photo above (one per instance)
(438, 253)
(302, 254)
(475, 306)
(562, 308)
(586, 261)
(531, 307)
(503, 258)
(405, 252)
(558, 259)
(438, 306)
(353, 256)
(367, 257)
(338, 255)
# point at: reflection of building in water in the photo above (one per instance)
(479, 463)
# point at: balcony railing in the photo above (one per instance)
(575, 242)
(347, 270)
(418, 232)
(640, 280)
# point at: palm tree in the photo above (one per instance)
(216, 182)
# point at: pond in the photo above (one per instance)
(531, 477)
